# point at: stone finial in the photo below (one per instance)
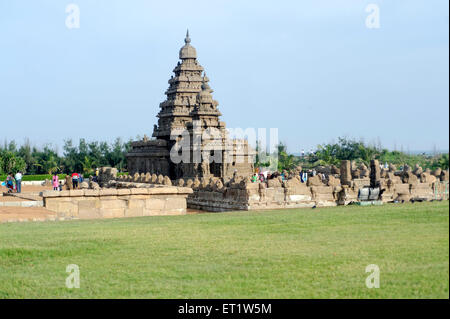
(180, 182)
(167, 181)
(196, 183)
(187, 39)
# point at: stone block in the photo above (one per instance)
(91, 192)
(68, 209)
(123, 191)
(155, 204)
(76, 192)
(134, 212)
(113, 213)
(108, 192)
(112, 204)
(51, 194)
(139, 191)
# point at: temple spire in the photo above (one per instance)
(187, 39)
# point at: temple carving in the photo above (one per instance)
(189, 140)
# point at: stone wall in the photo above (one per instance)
(117, 203)
(294, 194)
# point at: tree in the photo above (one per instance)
(10, 163)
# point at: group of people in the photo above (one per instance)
(13, 182)
(76, 179)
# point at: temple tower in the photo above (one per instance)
(191, 110)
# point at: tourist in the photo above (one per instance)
(60, 186)
(18, 178)
(304, 177)
(75, 178)
(69, 184)
(55, 182)
(10, 183)
(254, 178)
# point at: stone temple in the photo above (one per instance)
(189, 121)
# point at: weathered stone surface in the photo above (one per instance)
(444, 176)
(108, 192)
(91, 192)
(375, 174)
(76, 192)
(88, 204)
(346, 174)
(167, 181)
(332, 181)
(315, 181)
(123, 191)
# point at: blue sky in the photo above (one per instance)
(310, 68)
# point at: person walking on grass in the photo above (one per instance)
(55, 182)
(18, 178)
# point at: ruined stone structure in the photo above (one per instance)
(189, 121)
(241, 194)
(116, 203)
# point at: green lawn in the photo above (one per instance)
(300, 253)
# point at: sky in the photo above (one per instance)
(312, 68)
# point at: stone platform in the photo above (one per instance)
(116, 203)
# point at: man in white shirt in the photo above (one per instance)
(18, 178)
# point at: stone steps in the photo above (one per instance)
(37, 219)
(26, 203)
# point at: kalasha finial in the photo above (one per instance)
(187, 39)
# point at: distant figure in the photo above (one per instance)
(69, 185)
(304, 177)
(10, 183)
(303, 153)
(19, 181)
(75, 178)
(96, 173)
(60, 186)
(314, 172)
(81, 178)
(254, 178)
(55, 182)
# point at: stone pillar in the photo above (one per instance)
(346, 173)
(374, 173)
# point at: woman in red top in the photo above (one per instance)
(75, 177)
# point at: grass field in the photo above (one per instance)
(304, 253)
